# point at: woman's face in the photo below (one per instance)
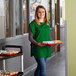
(41, 13)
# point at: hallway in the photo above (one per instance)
(55, 65)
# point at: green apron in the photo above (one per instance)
(40, 33)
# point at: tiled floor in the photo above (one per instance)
(55, 66)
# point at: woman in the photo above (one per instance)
(39, 30)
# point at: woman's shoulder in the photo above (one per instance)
(32, 24)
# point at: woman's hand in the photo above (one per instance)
(40, 44)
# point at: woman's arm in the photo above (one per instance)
(31, 39)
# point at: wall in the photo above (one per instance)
(71, 30)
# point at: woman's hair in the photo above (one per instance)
(36, 16)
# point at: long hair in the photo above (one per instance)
(36, 16)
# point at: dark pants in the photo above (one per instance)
(41, 67)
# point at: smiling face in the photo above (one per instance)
(41, 13)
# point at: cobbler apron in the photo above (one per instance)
(40, 33)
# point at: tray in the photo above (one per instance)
(8, 54)
(54, 42)
(14, 74)
(8, 74)
(18, 74)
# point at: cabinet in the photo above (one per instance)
(3, 58)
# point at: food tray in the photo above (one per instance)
(54, 42)
(10, 75)
(14, 74)
(8, 54)
(6, 73)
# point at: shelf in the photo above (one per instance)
(8, 57)
(12, 56)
